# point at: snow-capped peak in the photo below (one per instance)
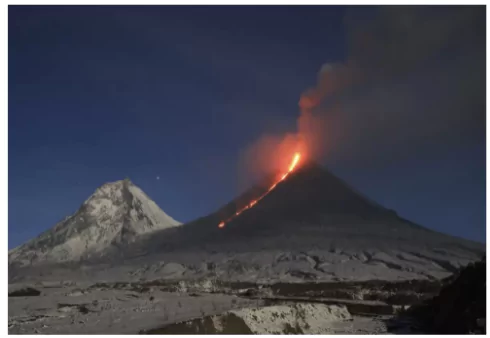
(115, 214)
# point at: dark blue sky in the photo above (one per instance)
(97, 94)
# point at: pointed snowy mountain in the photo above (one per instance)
(115, 215)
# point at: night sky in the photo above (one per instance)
(97, 94)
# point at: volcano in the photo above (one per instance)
(313, 224)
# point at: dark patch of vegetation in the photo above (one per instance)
(459, 306)
(394, 293)
(25, 292)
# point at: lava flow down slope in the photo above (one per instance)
(309, 225)
(292, 166)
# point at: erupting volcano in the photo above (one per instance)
(293, 165)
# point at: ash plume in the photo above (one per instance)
(414, 77)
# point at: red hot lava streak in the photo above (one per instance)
(293, 165)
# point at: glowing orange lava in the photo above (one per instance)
(293, 165)
(295, 162)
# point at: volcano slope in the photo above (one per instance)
(312, 226)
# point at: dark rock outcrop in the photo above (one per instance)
(460, 306)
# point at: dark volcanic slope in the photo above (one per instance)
(311, 202)
(312, 225)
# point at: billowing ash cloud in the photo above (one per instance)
(414, 79)
(332, 79)
(414, 76)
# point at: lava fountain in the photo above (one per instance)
(293, 165)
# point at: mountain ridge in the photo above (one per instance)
(116, 213)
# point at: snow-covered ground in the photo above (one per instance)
(78, 309)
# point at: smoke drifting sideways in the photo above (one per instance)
(414, 79)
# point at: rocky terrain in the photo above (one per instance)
(212, 306)
(179, 307)
(68, 308)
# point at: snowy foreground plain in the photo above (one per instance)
(186, 308)
(208, 305)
